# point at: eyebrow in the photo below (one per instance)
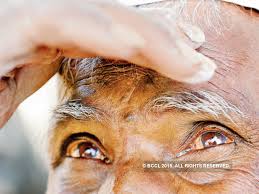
(77, 110)
(195, 102)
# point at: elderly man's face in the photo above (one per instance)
(118, 116)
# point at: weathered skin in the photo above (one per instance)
(40, 32)
(131, 136)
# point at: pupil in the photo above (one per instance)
(88, 150)
(91, 152)
(213, 139)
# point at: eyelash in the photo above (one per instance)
(223, 129)
(80, 136)
(194, 135)
(197, 131)
(202, 124)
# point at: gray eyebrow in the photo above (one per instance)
(195, 102)
(77, 110)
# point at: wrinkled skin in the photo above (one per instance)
(40, 32)
(130, 136)
(236, 53)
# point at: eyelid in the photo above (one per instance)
(199, 128)
(82, 136)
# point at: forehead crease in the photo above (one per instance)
(90, 70)
(90, 73)
(93, 72)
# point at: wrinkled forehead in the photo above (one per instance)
(245, 3)
(92, 76)
(233, 49)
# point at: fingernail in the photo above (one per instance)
(127, 36)
(205, 72)
(194, 33)
(199, 67)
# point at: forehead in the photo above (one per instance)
(122, 89)
(236, 52)
(234, 48)
(246, 3)
(232, 41)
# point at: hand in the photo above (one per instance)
(36, 33)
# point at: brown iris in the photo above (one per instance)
(86, 149)
(210, 135)
(210, 139)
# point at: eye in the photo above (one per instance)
(81, 146)
(209, 135)
(211, 138)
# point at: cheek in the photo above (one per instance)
(108, 185)
(77, 176)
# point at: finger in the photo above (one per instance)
(85, 26)
(32, 76)
(166, 52)
(191, 34)
(77, 23)
(111, 30)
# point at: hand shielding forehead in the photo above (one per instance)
(246, 3)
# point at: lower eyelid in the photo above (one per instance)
(196, 132)
(190, 150)
(202, 154)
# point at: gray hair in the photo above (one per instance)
(206, 102)
(94, 73)
(88, 74)
(210, 10)
(75, 109)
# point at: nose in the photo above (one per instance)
(130, 180)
